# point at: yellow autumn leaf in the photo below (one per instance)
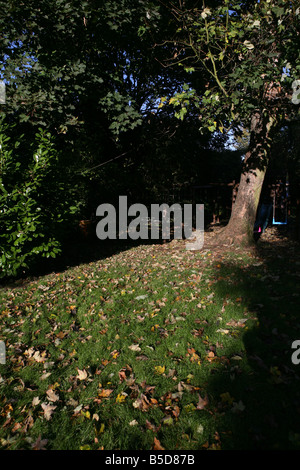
(159, 369)
(86, 414)
(100, 430)
(121, 398)
(115, 354)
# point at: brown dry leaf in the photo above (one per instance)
(210, 356)
(142, 357)
(141, 403)
(45, 376)
(148, 388)
(48, 410)
(134, 347)
(152, 427)
(238, 323)
(39, 444)
(104, 393)
(61, 334)
(176, 411)
(194, 356)
(39, 357)
(35, 401)
(16, 427)
(82, 374)
(153, 401)
(28, 423)
(125, 373)
(171, 373)
(52, 396)
(157, 445)
(122, 375)
(198, 332)
(202, 403)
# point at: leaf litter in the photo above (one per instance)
(124, 337)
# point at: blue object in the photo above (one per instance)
(263, 217)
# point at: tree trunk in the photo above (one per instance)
(240, 226)
(239, 230)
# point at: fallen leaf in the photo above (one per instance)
(82, 374)
(48, 410)
(142, 357)
(157, 445)
(202, 402)
(176, 411)
(35, 401)
(121, 397)
(151, 426)
(52, 396)
(104, 393)
(39, 444)
(39, 357)
(159, 369)
(134, 347)
(115, 354)
(45, 376)
(141, 403)
(133, 422)
(167, 420)
(16, 427)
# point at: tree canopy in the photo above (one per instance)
(138, 97)
(249, 56)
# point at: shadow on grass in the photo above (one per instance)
(266, 384)
(75, 252)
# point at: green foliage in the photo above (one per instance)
(31, 200)
(241, 51)
(86, 70)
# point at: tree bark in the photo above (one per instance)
(239, 230)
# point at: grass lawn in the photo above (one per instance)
(155, 347)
